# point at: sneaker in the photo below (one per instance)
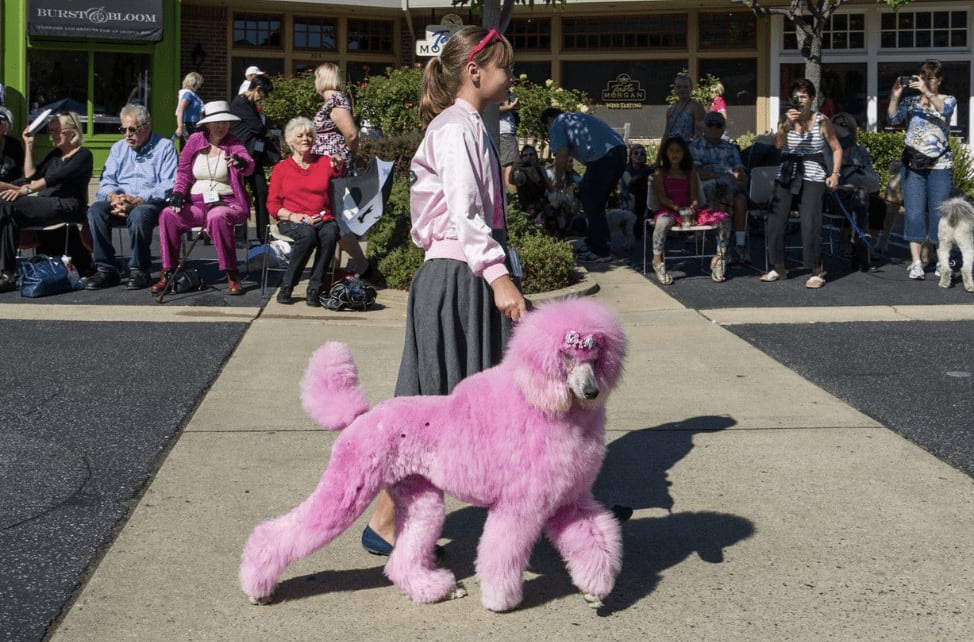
(592, 257)
(916, 271)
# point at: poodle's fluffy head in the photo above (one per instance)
(567, 353)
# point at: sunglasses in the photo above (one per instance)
(638, 152)
(130, 130)
(493, 33)
(715, 125)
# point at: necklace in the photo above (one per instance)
(212, 170)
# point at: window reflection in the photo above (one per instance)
(59, 80)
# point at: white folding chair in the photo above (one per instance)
(274, 233)
(698, 232)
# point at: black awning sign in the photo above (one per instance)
(113, 19)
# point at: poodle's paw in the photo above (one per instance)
(945, 279)
(458, 592)
(259, 601)
(499, 601)
(427, 587)
(593, 601)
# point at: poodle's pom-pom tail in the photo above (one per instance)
(330, 392)
(954, 209)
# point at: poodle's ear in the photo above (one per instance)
(330, 393)
(544, 382)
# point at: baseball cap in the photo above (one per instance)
(254, 70)
(715, 117)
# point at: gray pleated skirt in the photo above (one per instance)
(453, 329)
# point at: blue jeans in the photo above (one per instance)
(923, 192)
(140, 221)
(601, 177)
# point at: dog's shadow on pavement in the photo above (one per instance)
(634, 474)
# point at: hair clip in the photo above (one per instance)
(578, 342)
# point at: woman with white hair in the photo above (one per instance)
(60, 183)
(300, 201)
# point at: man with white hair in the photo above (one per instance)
(135, 183)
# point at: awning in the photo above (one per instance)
(115, 19)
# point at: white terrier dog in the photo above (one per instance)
(956, 228)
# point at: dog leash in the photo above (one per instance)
(865, 238)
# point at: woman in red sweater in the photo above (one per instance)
(300, 201)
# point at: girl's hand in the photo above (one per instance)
(508, 299)
(28, 138)
(832, 182)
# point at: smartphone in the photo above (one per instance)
(906, 80)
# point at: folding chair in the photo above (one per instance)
(49, 228)
(760, 191)
(698, 232)
(274, 233)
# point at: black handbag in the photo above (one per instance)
(185, 281)
(348, 294)
(918, 161)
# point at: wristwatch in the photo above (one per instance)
(29, 190)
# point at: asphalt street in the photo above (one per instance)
(89, 408)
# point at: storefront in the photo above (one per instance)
(91, 58)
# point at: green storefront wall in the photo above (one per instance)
(15, 42)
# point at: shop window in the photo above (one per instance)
(663, 31)
(357, 72)
(842, 88)
(728, 30)
(738, 76)
(844, 31)
(530, 34)
(370, 35)
(257, 31)
(315, 33)
(923, 29)
(535, 71)
(59, 80)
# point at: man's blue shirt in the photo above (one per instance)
(586, 137)
(148, 172)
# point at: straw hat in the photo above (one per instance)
(217, 111)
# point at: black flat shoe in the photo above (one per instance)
(284, 295)
(315, 303)
(138, 280)
(373, 543)
(6, 285)
(102, 279)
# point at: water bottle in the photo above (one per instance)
(73, 277)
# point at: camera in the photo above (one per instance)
(906, 80)
(796, 103)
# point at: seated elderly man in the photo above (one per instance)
(135, 183)
(719, 165)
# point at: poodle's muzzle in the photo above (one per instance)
(581, 379)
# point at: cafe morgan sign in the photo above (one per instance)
(623, 92)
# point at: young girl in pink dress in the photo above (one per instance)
(675, 187)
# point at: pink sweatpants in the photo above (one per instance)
(218, 219)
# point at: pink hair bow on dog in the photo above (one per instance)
(578, 342)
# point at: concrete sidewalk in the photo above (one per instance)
(766, 508)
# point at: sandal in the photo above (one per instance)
(718, 267)
(662, 274)
(815, 282)
(771, 276)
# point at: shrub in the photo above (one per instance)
(293, 96)
(390, 102)
(534, 99)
